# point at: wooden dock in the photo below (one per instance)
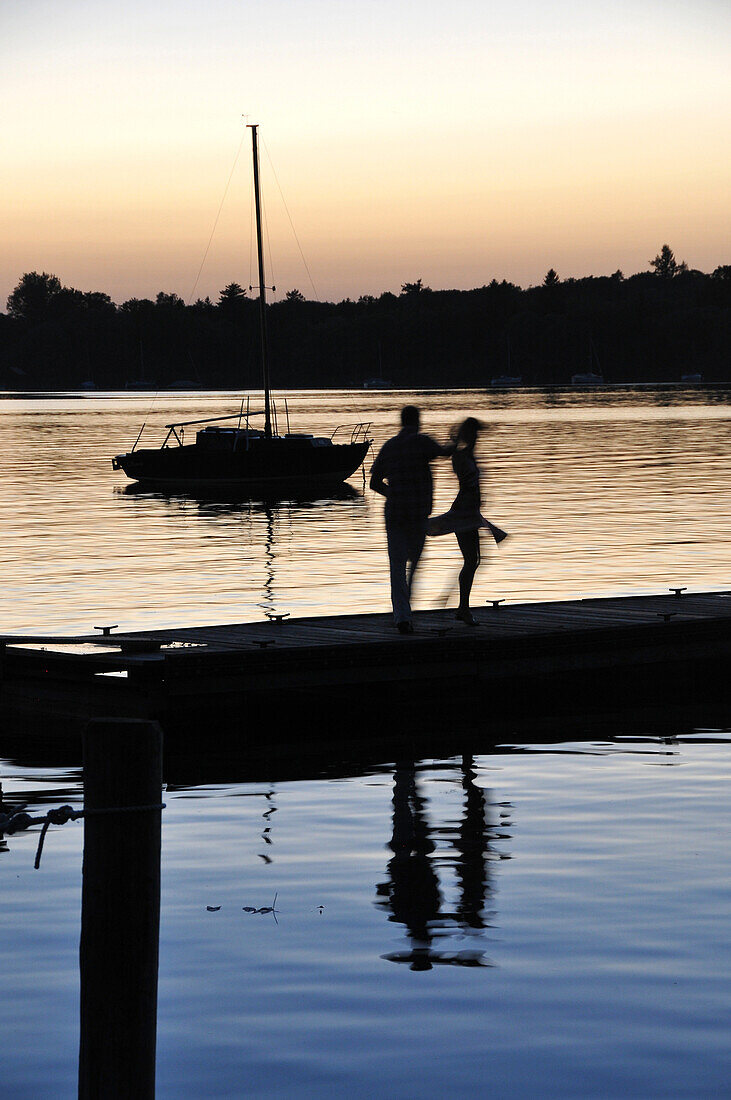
(331, 676)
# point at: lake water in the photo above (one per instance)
(530, 920)
(631, 494)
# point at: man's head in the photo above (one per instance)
(410, 417)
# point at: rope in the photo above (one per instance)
(18, 822)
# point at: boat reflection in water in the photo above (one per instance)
(413, 894)
(268, 515)
(212, 501)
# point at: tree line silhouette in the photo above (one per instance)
(653, 326)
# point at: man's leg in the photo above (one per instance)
(417, 538)
(398, 554)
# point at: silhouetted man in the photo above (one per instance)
(402, 475)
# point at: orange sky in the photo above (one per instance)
(455, 143)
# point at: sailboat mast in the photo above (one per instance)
(262, 287)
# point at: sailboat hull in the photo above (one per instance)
(275, 463)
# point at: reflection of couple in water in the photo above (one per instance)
(401, 473)
(416, 894)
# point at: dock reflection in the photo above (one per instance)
(423, 855)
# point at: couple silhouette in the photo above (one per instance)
(401, 473)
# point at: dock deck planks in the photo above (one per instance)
(351, 661)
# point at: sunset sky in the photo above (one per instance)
(455, 142)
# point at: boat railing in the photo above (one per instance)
(359, 433)
(183, 424)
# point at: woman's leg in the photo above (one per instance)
(469, 544)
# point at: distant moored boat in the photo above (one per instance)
(377, 384)
(587, 379)
(506, 380)
(141, 384)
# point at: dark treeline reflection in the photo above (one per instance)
(423, 854)
(652, 326)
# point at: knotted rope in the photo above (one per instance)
(19, 821)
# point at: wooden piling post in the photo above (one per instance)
(120, 911)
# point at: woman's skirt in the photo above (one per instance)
(459, 519)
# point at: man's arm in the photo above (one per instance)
(378, 485)
(435, 450)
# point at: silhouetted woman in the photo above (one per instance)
(464, 517)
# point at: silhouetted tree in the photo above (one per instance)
(666, 265)
(32, 295)
(169, 301)
(722, 272)
(294, 296)
(66, 304)
(137, 305)
(204, 305)
(97, 302)
(410, 289)
(231, 295)
(551, 278)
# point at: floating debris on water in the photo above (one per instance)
(263, 909)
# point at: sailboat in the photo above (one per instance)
(591, 377)
(230, 453)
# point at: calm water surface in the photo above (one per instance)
(542, 921)
(628, 493)
(527, 921)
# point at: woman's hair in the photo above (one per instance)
(468, 429)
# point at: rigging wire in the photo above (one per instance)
(294, 231)
(200, 269)
(218, 215)
(251, 233)
(351, 398)
(269, 244)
